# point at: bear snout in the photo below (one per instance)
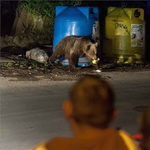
(93, 57)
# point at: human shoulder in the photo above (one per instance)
(52, 144)
(57, 143)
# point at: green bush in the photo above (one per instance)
(46, 9)
(41, 16)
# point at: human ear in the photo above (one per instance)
(67, 109)
(114, 115)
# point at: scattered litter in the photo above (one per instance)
(95, 61)
(20, 55)
(98, 71)
(37, 54)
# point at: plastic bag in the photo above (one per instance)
(37, 54)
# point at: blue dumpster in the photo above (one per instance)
(74, 21)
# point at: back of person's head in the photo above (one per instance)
(92, 100)
(145, 128)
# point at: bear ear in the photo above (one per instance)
(96, 44)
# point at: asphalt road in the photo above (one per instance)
(31, 110)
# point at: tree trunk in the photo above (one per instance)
(20, 22)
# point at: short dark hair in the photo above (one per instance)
(93, 101)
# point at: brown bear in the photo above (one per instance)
(73, 48)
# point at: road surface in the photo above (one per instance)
(31, 111)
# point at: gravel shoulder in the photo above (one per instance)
(28, 70)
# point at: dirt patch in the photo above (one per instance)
(29, 70)
(55, 73)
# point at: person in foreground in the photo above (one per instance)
(145, 129)
(90, 111)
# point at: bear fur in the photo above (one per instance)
(73, 48)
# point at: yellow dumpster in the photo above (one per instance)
(124, 35)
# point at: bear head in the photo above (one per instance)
(91, 51)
